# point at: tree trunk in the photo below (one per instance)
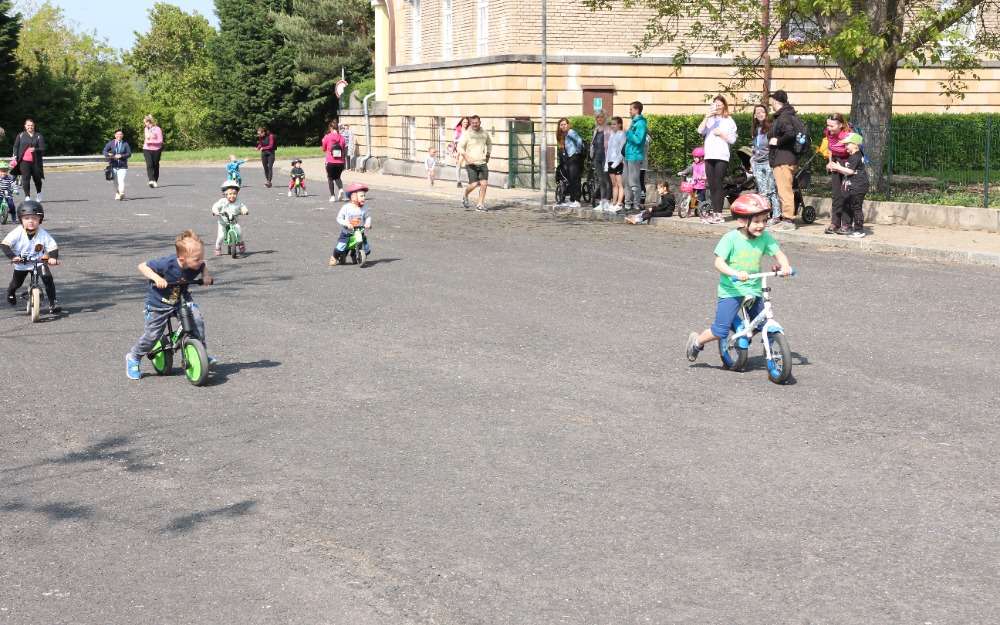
(871, 113)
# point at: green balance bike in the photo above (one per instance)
(7, 210)
(356, 245)
(183, 339)
(231, 235)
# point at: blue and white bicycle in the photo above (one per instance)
(735, 349)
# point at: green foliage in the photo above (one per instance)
(360, 88)
(323, 49)
(75, 87)
(10, 28)
(254, 79)
(176, 73)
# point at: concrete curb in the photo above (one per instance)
(871, 245)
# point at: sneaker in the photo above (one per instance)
(122, 198)
(465, 202)
(830, 230)
(693, 348)
(55, 308)
(717, 218)
(480, 208)
(12, 299)
(857, 234)
(785, 224)
(242, 248)
(773, 221)
(333, 261)
(617, 208)
(574, 204)
(118, 196)
(212, 361)
(218, 251)
(155, 184)
(706, 218)
(38, 197)
(267, 184)
(290, 193)
(844, 231)
(151, 184)
(132, 368)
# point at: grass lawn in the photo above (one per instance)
(222, 154)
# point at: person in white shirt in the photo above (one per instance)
(430, 164)
(719, 131)
(350, 216)
(21, 245)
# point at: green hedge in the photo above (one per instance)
(920, 144)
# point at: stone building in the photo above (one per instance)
(437, 60)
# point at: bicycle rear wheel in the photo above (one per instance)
(162, 359)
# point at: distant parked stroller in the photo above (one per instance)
(743, 181)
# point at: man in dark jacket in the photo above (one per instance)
(784, 160)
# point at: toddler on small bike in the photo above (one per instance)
(7, 210)
(168, 277)
(352, 215)
(19, 246)
(297, 179)
(228, 209)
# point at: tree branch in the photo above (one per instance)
(930, 31)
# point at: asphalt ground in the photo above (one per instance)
(492, 423)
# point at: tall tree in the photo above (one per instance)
(867, 39)
(254, 83)
(10, 30)
(323, 49)
(176, 70)
(73, 85)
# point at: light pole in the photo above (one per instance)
(340, 24)
(545, 93)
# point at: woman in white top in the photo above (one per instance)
(719, 131)
(614, 164)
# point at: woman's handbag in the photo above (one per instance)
(109, 174)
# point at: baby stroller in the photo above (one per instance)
(801, 180)
(742, 180)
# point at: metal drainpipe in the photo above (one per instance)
(368, 124)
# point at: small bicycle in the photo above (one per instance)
(734, 350)
(184, 339)
(6, 209)
(298, 187)
(231, 235)
(356, 245)
(690, 205)
(39, 262)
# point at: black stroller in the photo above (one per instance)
(742, 181)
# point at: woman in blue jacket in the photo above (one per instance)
(118, 151)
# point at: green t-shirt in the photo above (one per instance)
(743, 254)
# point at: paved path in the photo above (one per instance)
(493, 423)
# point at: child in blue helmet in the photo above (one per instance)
(350, 216)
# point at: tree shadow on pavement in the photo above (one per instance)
(55, 511)
(221, 371)
(114, 448)
(188, 522)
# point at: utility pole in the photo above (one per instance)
(340, 23)
(545, 87)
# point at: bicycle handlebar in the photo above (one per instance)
(199, 281)
(766, 274)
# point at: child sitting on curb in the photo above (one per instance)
(665, 208)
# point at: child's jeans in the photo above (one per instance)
(341, 248)
(156, 323)
(119, 179)
(221, 234)
(726, 311)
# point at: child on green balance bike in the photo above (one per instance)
(228, 209)
(737, 256)
(352, 217)
(163, 301)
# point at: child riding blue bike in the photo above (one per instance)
(737, 258)
(233, 169)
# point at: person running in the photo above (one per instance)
(118, 151)
(152, 148)
(474, 148)
(29, 149)
(335, 149)
(266, 145)
(719, 131)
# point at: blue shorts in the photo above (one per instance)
(725, 313)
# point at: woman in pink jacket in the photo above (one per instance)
(152, 147)
(335, 148)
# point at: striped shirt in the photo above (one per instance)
(7, 186)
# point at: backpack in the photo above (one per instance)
(802, 141)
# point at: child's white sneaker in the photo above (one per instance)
(333, 199)
(617, 208)
(289, 193)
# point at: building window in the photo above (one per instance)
(415, 28)
(439, 136)
(446, 30)
(483, 28)
(409, 136)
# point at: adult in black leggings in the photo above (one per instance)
(152, 149)
(715, 172)
(266, 144)
(30, 145)
(719, 131)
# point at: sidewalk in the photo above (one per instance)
(932, 244)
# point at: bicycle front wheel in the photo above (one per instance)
(195, 361)
(35, 304)
(779, 367)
